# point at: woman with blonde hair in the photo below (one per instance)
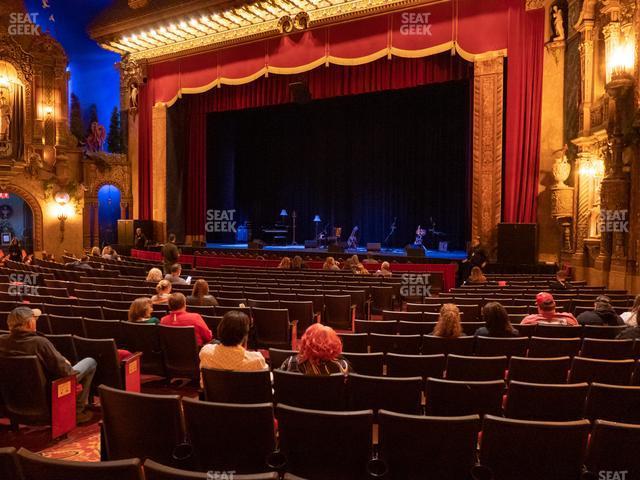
(154, 275)
(448, 325)
(476, 276)
(285, 263)
(320, 353)
(330, 264)
(163, 292)
(95, 252)
(200, 295)
(141, 311)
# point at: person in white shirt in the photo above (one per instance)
(631, 318)
(385, 270)
(230, 353)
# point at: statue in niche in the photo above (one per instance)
(558, 26)
(561, 168)
(5, 115)
(96, 138)
(133, 97)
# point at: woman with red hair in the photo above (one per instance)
(320, 350)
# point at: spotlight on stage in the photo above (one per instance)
(316, 220)
(283, 214)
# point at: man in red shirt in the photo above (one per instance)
(547, 312)
(179, 317)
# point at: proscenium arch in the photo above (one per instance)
(38, 227)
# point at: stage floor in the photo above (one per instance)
(296, 249)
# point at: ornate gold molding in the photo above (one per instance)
(487, 150)
(534, 4)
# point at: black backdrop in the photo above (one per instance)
(357, 160)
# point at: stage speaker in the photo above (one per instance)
(374, 247)
(256, 244)
(310, 244)
(517, 243)
(300, 93)
(336, 248)
(414, 252)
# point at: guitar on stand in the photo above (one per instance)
(352, 242)
(420, 233)
(391, 231)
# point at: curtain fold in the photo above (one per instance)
(523, 113)
(323, 82)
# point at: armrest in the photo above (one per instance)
(294, 333)
(131, 372)
(63, 405)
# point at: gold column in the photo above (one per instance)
(487, 150)
(159, 169)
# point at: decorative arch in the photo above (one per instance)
(36, 209)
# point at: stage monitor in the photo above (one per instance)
(374, 247)
(414, 252)
(310, 244)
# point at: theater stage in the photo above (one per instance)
(432, 256)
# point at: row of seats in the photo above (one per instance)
(320, 444)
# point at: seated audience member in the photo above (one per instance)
(24, 340)
(476, 277)
(154, 275)
(179, 317)
(141, 311)
(163, 292)
(547, 312)
(95, 252)
(361, 270)
(602, 314)
(330, 264)
(140, 241)
(200, 295)
(285, 263)
(385, 270)
(297, 263)
(496, 321)
(109, 253)
(448, 325)
(231, 352)
(370, 258)
(82, 263)
(631, 317)
(560, 283)
(174, 275)
(320, 351)
(629, 333)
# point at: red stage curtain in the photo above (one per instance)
(524, 105)
(323, 82)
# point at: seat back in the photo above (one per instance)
(366, 363)
(300, 311)
(432, 345)
(476, 368)
(614, 372)
(558, 331)
(415, 365)
(376, 326)
(320, 444)
(389, 393)
(105, 353)
(382, 298)
(66, 346)
(156, 471)
(546, 402)
(607, 349)
(180, 351)
(406, 344)
(307, 391)
(115, 314)
(605, 332)
(509, 346)
(66, 325)
(145, 338)
(337, 313)
(24, 389)
(141, 425)
(277, 356)
(539, 370)
(102, 329)
(9, 463)
(455, 398)
(427, 447)
(553, 347)
(38, 467)
(354, 342)
(271, 327)
(615, 403)
(227, 386)
(247, 441)
(613, 448)
(528, 450)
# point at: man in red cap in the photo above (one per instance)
(547, 312)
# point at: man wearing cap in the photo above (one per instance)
(547, 312)
(24, 340)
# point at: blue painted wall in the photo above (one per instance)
(94, 78)
(108, 214)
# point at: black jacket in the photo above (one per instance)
(629, 333)
(31, 343)
(600, 317)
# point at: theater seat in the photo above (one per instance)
(9, 463)
(227, 386)
(546, 402)
(614, 448)
(305, 391)
(156, 471)
(37, 467)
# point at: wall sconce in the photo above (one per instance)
(48, 112)
(622, 59)
(62, 210)
(592, 167)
